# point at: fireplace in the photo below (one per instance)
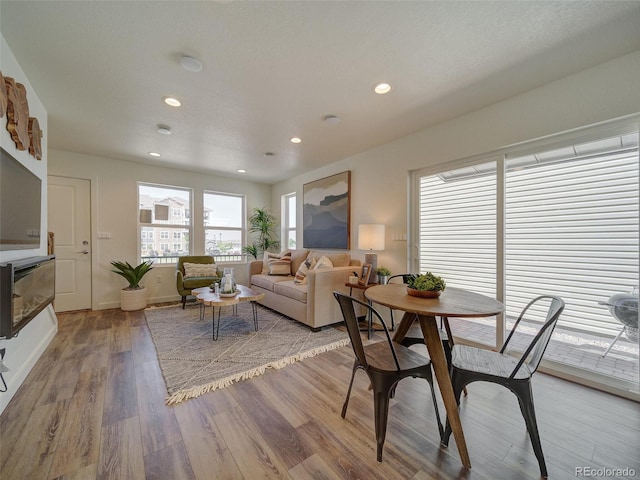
(27, 286)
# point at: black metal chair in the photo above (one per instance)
(470, 364)
(385, 363)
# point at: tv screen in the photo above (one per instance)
(20, 205)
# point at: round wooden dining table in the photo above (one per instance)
(453, 302)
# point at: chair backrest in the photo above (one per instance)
(347, 306)
(204, 259)
(534, 352)
(404, 276)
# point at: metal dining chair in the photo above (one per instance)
(471, 364)
(385, 363)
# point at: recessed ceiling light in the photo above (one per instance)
(296, 140)
(332, 120)
(190, 63)
(164, 130)
(174, 102)
(269, 154)
(242, 170)
(382, 88)
(154, 154)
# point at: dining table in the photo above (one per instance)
(452, 303)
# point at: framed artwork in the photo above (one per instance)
(326, 212)
(366, 273)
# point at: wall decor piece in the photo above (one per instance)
(35, 137)
(3, 96)
(17, 113)
(326, 212)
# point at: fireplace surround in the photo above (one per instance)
(27, 286)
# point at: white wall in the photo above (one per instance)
(380, 177)
(114, 198)
(23, 351)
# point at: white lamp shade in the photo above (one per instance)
(371, 237)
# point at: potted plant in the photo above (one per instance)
(263, 223)
(383, 275)
(427, 285)
(134, 296)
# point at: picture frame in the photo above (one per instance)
(326, 212)
(364, 276)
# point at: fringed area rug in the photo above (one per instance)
(193, 364)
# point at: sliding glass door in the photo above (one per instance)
(560, 221)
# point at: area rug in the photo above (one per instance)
(193, 364)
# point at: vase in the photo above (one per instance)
(133, 299)
(383, 279)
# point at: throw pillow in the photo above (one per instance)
(280, 265)
(301, 274)
(324, 262)
(199, 269)
(268, 256)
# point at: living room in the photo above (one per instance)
(599, 94)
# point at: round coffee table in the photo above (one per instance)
(208, 298)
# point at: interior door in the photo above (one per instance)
(69, 218)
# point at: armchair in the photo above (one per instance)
(201, 271)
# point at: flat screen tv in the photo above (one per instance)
(20, 205)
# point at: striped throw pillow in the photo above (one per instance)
(280, 265)
(301, 274)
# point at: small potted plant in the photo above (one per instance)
(383, 275)
(134, 296)
(427, 285)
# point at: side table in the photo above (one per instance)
(357, 286)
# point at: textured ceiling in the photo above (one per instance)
(273, 70)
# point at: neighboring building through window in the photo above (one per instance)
(224, 225)
(155, 202)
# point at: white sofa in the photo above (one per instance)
(312, 304)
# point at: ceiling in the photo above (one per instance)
(274, 70)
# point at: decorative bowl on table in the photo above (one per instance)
(229, 294)
(423, 293)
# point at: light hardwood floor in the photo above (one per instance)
(93, 407)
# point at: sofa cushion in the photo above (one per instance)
(199, 270)
(292, 290)
(301, 273)
(337, 259)
(297, 258)
(197, 282)
(268, 281)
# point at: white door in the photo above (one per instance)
(69, 218)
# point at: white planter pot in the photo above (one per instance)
(131, 300)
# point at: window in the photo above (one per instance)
(224, 225)
(155, 202)
(289, 220)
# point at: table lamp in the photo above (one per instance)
(371, 237)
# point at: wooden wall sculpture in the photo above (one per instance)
(25, 130)
(3, 96)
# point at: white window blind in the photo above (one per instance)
(457, 232)
(571, 229)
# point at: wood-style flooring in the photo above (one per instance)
(93, 407)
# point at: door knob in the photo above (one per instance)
(85, 252)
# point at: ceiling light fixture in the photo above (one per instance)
(296, 140)
(269, 154)
(382, 88)
(164, 130)
(332, 120)
(173, 102)
(154, 154)
(191, 64)
(242, 170)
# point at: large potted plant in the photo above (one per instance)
(262, 223)
(133, 297)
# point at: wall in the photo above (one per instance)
(380, 177)
(23, 351)
(114, 197)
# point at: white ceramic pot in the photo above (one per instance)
(131, 300)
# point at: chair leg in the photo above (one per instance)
(184, 301)
(459, 383)
(525, 399)
(346, 400)
(381, 409)
(435, 405)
